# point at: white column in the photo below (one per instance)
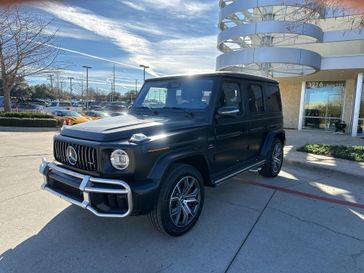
(302, 106)
(359, 88)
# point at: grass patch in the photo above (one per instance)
(27, 115)
(353, 153)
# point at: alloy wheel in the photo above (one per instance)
(185, 201)
(277, 157)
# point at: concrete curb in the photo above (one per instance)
(346, 167)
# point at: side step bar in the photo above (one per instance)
(248, 168)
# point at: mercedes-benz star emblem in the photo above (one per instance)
(71, 155)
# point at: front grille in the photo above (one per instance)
(86, 156)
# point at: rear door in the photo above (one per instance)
(273, 106)
(258, 124)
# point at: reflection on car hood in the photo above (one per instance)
(123, 127)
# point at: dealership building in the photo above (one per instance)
(317, 55)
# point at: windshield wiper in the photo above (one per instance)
(149, 108)
(189, 113)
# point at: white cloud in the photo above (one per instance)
(134, 6)
(181, 8)
(178, 55)
(74, 33)
(184, 55)
(99, 25)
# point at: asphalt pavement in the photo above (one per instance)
(302, 221)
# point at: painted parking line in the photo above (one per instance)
(304, 194)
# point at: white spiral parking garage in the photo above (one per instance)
(319, 62)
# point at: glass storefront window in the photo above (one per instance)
(361, 114)
(323, 104)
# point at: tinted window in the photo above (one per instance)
(273, 98)
(178, 93)
(230, 94)
(256, 103)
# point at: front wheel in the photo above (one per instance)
(274, 160)
(180, 200)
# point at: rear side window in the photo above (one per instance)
(273, 98)
(255, 93)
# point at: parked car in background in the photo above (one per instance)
(116, 114)
(94, 115)
(26, 107)
(61, 105)
(182, 134)
(94, 106)
(66, 117)
(115, 107)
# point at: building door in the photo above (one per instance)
(323, 105)
(361, 115)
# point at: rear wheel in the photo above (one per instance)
(180, 200)
(274, 160)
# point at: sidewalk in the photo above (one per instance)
(297, 139)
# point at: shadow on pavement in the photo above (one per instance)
(77, 241)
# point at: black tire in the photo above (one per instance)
(169, 204)
(272, 167)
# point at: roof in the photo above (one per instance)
(219, 73)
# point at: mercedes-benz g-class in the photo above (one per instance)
(183, 133)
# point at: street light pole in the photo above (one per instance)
(87, 68)
(70, 78)
(61, 90)
(51, 79)
(144, 68)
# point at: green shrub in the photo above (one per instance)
(354, 153)
(25, 115)
(28, 122)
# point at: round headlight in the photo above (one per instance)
(119, 159)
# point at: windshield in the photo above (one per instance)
(177, 93)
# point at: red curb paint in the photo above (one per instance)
(305, 194)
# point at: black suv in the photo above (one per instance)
(182, 133)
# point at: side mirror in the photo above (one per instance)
(230, 111)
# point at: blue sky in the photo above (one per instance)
(171, 36)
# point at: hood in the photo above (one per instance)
(123, 127)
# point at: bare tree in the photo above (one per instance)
(26, 48)
(314, 9)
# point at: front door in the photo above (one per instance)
(230, 131)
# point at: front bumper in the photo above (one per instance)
(86, 191)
